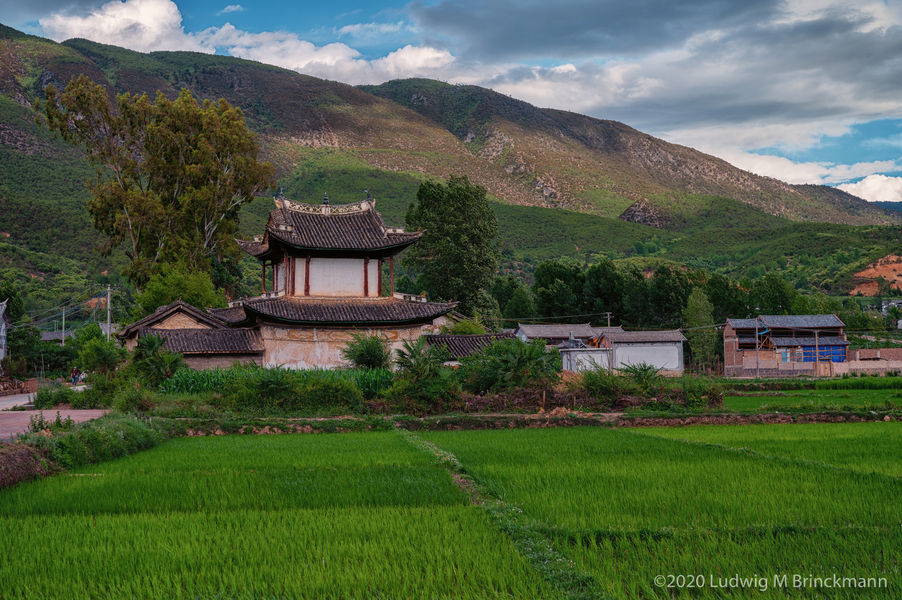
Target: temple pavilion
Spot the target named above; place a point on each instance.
(322, 280)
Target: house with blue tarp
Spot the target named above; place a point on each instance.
(782, 343)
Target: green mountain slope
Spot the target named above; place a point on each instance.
(563, 184)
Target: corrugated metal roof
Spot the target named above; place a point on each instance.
(465, 345)
(557, 330)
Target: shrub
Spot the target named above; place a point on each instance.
(601, 384)
(153, 363)
(367, 351)
(50, 396)
(99, 394)
(133, 397)
(281, 390)
(508, 364)
(95, 441)
(419, 361)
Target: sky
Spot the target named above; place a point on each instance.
(806, 91)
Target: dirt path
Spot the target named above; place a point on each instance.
(15, 422)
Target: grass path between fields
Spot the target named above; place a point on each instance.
(526, 535)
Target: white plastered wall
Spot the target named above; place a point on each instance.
(662, 356)
(336, 277)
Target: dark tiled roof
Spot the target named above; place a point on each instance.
(825, 340)
(344, 311)
(557, 330)
(165, 312)
(229, 315)
(638, 337)
(465, 345)
(801, 321)
(346, 227)
(209, 341)
(253, 248)
(743, 323)
(603, 330)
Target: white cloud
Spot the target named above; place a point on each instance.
(280, 48)
(876, 188)
(142, 25)
(230, 9)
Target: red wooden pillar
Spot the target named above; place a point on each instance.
(263, 277)
(379, 281)
(391, 275)
(366, 277)
(307, 277)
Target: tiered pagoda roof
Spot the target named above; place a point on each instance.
(346, 228)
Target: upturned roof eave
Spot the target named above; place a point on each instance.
(254, 316)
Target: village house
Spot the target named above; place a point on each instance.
(784, 345)
(561, 334)
(322, 281)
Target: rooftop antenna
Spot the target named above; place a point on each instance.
(326, 198)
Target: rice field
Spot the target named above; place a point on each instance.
(863, 447)
(755, 512)
(293, 516)
(627, 507)
(817, 400)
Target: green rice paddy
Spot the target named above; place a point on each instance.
(764, 511)
(627, 507)
(816, 400)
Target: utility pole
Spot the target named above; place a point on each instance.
(757, 361)
(108, 303)
(609, 315)
(64, 327)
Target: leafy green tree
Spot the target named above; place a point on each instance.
(520, 308)
(635, 298)
(464, 327)
(603, 289)
(727, 297)
(701, 333)
(502, 289)
(170, 176)
(668, 292)
(175, 281)
(101, 355)
(458, 255)
(558, 289)
(773, 295)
